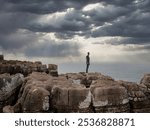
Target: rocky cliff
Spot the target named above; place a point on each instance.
(26, 67)
(33, 87)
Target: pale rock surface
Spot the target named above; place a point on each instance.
(109, 96)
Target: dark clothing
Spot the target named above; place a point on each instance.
(87, 67)
(87, 59)
(87, 63)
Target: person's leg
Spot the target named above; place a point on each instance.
(87, 68)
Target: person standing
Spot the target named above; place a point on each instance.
(87, 62)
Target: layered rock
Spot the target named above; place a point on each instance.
(53, 69)
(26, 67)
(146, 81)
(34, 95)
(43, 93)
(9, 88)
(109, 96)
(70, 97)
(139, 96)
(72, 92)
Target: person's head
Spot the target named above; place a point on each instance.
(88, 53)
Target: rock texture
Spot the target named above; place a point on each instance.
(109, 96)
(26, 67)
(139, 96)
(70, 97)
(9, 88)
(34, 95)
(52, 69)
(43, 90)
(146, 81)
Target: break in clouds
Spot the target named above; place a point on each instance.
(62, 28)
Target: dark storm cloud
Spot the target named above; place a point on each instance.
(107, 14)
(10, 22)
(53, 49)
(36, 45)
(17, 40)
(133, 22)
(73, 22)
(129, 19)
(45, 6)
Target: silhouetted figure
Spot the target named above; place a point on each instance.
(87, 62)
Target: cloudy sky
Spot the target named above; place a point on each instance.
(115, 32)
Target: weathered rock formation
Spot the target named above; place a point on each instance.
(43, 90)
(139, 96)
(52, 69)
(9, 89)
(146, 81)
(68, 96)
(109, 96)
(26, 67)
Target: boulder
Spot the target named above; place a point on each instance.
(139, 96)
(109, 96)
(52, 69)
(34, 95)
(36, 99)
(26, 67)
(146, 80)
(53, 73)
(9, 88)
(71, 99)
(38, 62)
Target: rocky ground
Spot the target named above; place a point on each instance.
(33, 87)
